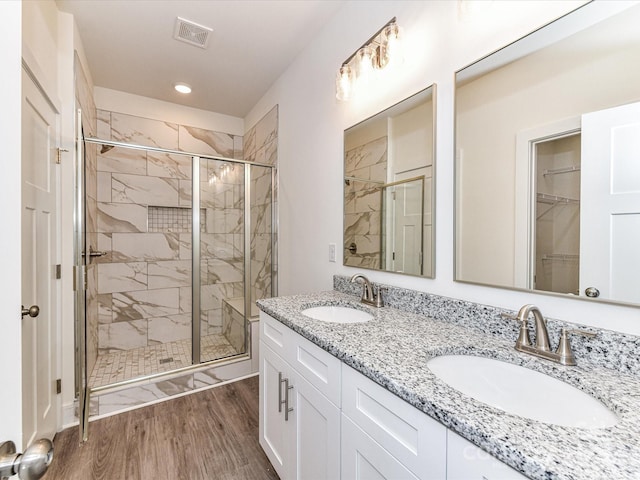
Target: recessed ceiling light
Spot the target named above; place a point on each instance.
(182, 88)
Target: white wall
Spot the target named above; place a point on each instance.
(10, 280)
(441, 37)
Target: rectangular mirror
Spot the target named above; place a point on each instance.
(388, 188)
(548, 159)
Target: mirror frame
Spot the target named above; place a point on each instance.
(432, 89)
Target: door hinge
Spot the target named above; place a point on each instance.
(59, 386)
(58, 271)
(59, 155)
(79, 276)
(393, 256)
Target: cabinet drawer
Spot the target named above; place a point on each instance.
(415, 439)
(274, 334)
(465, 461)
(317, 366)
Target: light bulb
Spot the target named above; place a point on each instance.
(364, 65)
(392, 45)
(343, 83)
(182, 88)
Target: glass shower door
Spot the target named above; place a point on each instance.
(223, 327)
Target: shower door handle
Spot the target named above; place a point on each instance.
(94, 253)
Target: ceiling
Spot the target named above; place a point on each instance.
(130, 46)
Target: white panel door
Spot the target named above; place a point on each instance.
(273, 435)
(408, 203)
(39, 143)
(610, 203)
(316, 424)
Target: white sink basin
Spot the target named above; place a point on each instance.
(335, 314)
(521, 391)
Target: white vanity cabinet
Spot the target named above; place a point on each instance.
(342, 425)
(299, 404)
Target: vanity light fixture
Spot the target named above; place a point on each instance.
(182, 88)
(381, 50)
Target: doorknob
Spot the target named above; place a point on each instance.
(32, 311)
(592, 292)
(31, 465)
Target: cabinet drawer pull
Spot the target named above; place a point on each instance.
(287, 387)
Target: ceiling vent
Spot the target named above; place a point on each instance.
(191, 33)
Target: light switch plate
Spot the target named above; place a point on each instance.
(332, 252)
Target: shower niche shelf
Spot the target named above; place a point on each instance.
(173, 219)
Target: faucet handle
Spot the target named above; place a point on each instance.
(379, 297)
(523, 335)
(564, 345)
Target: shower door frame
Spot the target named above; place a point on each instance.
(83, 390)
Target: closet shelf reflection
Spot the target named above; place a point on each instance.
(563, 257)
(555, 171)
(555, 199)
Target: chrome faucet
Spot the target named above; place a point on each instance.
(369, 297)
(563, 354)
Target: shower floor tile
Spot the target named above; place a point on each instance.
(139, 362)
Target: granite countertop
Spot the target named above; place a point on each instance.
(393, 348)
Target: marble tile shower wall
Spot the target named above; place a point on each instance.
(365, 164)
(84, 99)
(144, 281)
(261, 145)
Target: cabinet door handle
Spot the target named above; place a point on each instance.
(287, 387)
(280, 382)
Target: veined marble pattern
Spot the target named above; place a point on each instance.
(366, 155)
(121, 217)
(199, 140)
(122, 336)
(169, 328)
(169, 165)
(129, 247)
(125, 365)
(104, 187)
(363, 202)
(172, 273)
(144, 190)
(144, 131)
(122, 160)
(103, 124)
(127, 306)
(122, 277)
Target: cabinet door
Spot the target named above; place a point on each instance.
(364, 459)
(316, 436)
(465, 461)
(273, 429)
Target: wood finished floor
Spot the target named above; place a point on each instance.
(207, 435)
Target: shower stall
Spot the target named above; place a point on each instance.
(173, 248)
